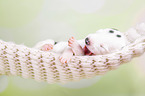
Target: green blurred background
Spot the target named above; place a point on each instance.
(29, 21)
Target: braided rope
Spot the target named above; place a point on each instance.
(19, 60)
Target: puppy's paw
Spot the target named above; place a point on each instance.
(71, 41)
(64, 59)
(47, 47)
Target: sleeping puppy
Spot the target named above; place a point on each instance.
(102, 42)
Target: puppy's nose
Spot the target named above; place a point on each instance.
(87, 41)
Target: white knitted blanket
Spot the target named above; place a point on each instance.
(19, 60)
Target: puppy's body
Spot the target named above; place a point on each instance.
(104, 41)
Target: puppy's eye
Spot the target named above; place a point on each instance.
(87, 41)
(118, 36)
(55, 43)
(111, 31)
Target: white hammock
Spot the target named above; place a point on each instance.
(19, 60)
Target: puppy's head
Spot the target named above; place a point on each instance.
(104, 41)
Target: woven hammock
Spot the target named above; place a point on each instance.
(19, 60)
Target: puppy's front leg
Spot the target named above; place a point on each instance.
(76, 48)
(46, 45)
(66, 55)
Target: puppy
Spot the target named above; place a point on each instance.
(102, 42)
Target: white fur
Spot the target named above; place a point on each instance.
(101, 42)
(104, 42)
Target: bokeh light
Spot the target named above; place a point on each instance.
(28, 84)
(3, 83)
(85, 6)
(113, 7)
(84, 83)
